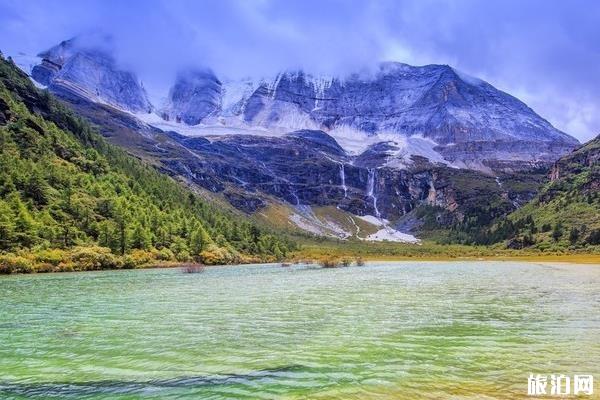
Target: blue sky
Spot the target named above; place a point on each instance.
(547, 53)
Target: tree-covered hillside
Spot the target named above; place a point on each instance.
(70, 200)
(566, 212)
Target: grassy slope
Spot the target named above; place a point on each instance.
(571, 201)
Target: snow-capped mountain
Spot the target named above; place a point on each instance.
(91, 73)
(397, 110)
(195, 96)
(378, 145)
(468, 119)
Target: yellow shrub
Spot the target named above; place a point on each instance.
(330, 262)
(45, 267)
(11, 263)
(66, 266)
(93, 258)
(138, 258)
(215, 255)
(53, 256)
(164, 254)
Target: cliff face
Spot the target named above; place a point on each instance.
(195, 96)
(585, 158)
(467, 118)
(91, 73)
(310, 168)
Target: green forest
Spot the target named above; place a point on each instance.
(71, 201)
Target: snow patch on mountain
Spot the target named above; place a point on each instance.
(356, 142)
(235, 94)
(391, 235)
(405, 147)
(386, 232)
(204, 130)
(305, 219)
(373, 220)
(26, 62)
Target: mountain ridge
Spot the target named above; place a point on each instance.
(93, 73)
(318, 142)
(458, 113)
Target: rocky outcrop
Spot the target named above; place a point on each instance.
(244, 201)
(587, 156)
(584, 161)
(91, 73)
(195, 96)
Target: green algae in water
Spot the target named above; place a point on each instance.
(385, 331)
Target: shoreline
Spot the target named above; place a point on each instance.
(567, 258)
(579, 259)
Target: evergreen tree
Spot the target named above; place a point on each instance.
(62, 184)
(140, 238)
(574, 235)
(557, 232)
(594, 237)
(24, 228)
(7, 226)
(199, 241)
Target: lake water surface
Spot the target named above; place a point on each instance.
(410, 330)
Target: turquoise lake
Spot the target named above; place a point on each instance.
(401, 330)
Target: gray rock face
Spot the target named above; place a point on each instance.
(308, 168)
(433, 101)
(92, 74)
(195, 96)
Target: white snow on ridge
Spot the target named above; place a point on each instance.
(413, 145)
(356, 142)
(215, 129)
(26, 62)
(386, 232)
(234, 93)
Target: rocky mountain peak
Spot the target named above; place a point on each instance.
(196, 95)
(433, 111)
(87, 68)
